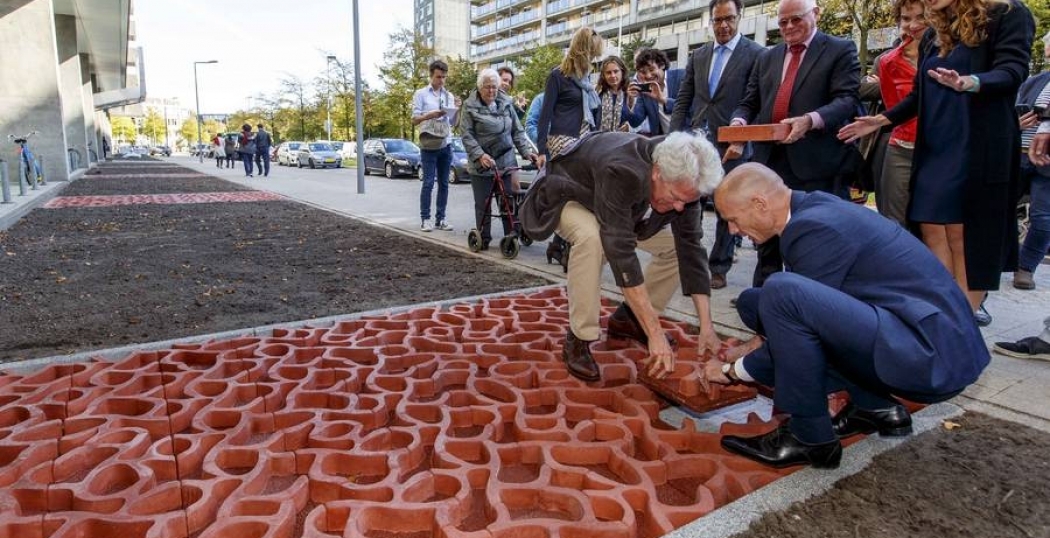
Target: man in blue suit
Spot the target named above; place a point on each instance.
(862, 306)
(651, 109)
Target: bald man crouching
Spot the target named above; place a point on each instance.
(863, 306)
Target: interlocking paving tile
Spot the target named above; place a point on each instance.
(461, 422)
(61, 202)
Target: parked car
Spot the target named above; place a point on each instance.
(317, 154)
(160, 150)
(460, 173)
(391, 156)
(288, 153)
(347, 149)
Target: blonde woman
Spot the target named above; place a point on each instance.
(571, 107)
(965, 177)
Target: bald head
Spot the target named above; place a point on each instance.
(754, 201)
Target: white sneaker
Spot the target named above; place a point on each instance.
(426, 227)
(444, 226)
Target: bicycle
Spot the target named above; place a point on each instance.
(27, 161)
(507, 203)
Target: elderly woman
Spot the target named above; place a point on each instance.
(965, 175)
(491, 132)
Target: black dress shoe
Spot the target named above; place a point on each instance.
(890, 422)
(624, 326)
(780, 448)
(578, 359)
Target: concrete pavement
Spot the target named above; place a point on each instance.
(1010, 388)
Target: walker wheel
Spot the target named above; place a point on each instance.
(508, 246)
(474, 240)
(525, 239)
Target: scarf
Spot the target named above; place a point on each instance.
(591, 101)
(612, 105)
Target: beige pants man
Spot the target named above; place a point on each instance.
(580, 228)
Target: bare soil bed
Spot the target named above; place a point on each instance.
(78, 279)
(988, 478)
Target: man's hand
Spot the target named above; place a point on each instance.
(733, 152)
(656, 92)
(661, 356)
(434, 114)
(800, 125)
(709, 340)
(712, 373)
(1037, 150)
(1028, 119)
(738, 352)
(458, 101)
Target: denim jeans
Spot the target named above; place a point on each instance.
(262, 161)
(1038, 239)
(436, 165)
(247, 158)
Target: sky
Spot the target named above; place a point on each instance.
(256, 43)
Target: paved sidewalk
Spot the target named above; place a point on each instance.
(1010, 388)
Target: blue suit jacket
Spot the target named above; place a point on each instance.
(648, 108)
(927, 340)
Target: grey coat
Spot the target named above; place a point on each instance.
(609, 174)
(495, 133)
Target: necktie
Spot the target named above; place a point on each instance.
(716, 71)
(780, 105)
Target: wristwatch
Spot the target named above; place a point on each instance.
(730, 372)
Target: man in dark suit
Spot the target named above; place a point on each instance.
(910, 329)
(714, 83)
(613, 193)
(809, 82)
(651, 110)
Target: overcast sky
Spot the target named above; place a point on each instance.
(256, 43)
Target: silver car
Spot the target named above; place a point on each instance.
(288, 152)
(318, 154)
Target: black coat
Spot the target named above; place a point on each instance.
(994, 152)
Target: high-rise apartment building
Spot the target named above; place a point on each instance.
(444, 25)
(502, 29)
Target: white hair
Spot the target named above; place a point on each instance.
(684, 157)
(488, 74)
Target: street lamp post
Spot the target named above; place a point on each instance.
(197, 97)
(328, 123)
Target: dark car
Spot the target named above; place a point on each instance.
(460, 173)
(391, 156)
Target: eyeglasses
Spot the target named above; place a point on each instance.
(723, 20)
(794, 20)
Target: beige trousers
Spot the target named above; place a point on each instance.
(579, 227)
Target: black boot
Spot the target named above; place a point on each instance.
(578, 359)
(558, 249)
(623, 325)
(780, 448)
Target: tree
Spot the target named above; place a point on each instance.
(295, 94)
(1041, 11)
(856, 18)
(462, 76)
(188, 130)
(627, 49)
(344, 115)
(535, 65)
(404, 71)
(154, 126)
(123, 128)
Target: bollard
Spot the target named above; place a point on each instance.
(22, 179)
(5, 185)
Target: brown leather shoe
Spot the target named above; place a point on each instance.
(624, 326)
(578, 359)
(718, 281)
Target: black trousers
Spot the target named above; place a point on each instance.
(482, 186)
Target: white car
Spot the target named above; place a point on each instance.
(348, 150)
(288, 153)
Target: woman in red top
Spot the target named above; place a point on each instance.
(896, 70)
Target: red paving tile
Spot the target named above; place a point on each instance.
(427, 423)
(61, 202)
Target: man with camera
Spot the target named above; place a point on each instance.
(651, 96)
(1032, 101)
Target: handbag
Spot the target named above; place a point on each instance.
(433, 134)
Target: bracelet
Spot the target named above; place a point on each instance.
(976, 84)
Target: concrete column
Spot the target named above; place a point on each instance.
(87, 100)
(29, 90)
(70, 82)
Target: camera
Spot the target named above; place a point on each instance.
(644, 87)
(1023, 109)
